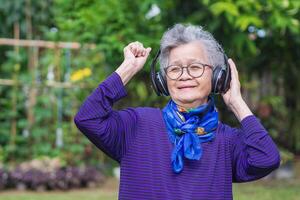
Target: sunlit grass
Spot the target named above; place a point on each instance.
(90, 194)
(258, 190)
(267, 190)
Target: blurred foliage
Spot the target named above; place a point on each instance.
(261, 36)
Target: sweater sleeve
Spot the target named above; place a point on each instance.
(110, 130)
(255, 154)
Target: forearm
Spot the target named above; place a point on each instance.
(126, 72)
(240, 109)
(254, 152)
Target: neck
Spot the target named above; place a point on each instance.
(194, 104)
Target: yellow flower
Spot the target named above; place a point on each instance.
(81, 74)
(86, 72)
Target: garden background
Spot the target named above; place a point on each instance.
(53, 53)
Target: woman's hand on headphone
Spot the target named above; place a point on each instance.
(135, 56)
(233, 98)
(233, 94)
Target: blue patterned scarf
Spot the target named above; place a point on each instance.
(188, 128)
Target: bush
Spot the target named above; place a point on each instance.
(42, 175)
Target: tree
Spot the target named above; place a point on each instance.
(261, 36)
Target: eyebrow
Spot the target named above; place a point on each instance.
(176, 62)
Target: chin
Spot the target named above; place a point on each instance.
(189, 98)
(189, 95)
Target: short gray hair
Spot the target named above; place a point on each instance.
(181, 34)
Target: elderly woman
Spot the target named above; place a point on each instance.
(182, 151)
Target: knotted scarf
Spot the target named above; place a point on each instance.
(188, 128)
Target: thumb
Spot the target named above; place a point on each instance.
(148, 50)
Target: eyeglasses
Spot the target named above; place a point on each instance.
(195, 70)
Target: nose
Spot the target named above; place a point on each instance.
(185, 75)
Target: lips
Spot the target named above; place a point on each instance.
(186, 86)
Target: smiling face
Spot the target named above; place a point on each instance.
(186, 91)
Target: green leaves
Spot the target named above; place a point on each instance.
(224, 7)
(244, 21)
(112, 24)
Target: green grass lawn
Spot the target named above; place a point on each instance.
(87, 194)
(267, 190)
(258, 190)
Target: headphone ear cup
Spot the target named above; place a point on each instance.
(158, 81)
(227, 80)
(154, 84)
(218, 79)
(161, 84)
(153, 75)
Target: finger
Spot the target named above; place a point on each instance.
(134, 43)
(235, 82)
(130, 45)
(234, 75)
(148, 50)
(141, 51)
(139, 47)
(138, 51)
(127, 50)
(234, 72)
(144, 52)
(138, 44)
(134, 49)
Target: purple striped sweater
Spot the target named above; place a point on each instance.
(137, 138)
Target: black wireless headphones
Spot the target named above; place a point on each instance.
(221, 77)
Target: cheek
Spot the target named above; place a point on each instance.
(172, 88)
(203, 89)
(205, 83)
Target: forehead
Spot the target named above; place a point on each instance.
(189, 52)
